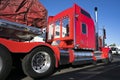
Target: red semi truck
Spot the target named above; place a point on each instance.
(70, 39)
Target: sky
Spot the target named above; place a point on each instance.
(108, 14)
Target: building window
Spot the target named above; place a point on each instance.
(57, 29)
(65, 27)
(84, 28)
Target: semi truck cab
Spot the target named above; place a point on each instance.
(72, 28)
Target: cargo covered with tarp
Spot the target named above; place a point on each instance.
(21, 19)
(29, 12)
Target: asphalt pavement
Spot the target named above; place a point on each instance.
(83, 72)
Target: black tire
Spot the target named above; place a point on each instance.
(37, 58)
(5, 63)
(109, 59)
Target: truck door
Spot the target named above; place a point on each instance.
(87, 28)
(81, 34)
(84, 30)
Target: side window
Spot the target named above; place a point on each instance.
(57, 29)
(50, 33)
(84, 28)
(65, 27)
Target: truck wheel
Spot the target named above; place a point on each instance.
(5, 63)
(109, 59)
(39, 63)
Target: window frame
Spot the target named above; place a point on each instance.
(68, 23)
(51, 35)
(55, 29)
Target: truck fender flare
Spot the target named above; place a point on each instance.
(55, 50)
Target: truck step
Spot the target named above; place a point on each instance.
(82, 57)
(97, 54)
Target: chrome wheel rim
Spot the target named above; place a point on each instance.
(41, 62)
(1, 63)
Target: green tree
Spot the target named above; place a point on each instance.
(113, 44)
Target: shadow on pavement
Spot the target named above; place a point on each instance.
(16, 74)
